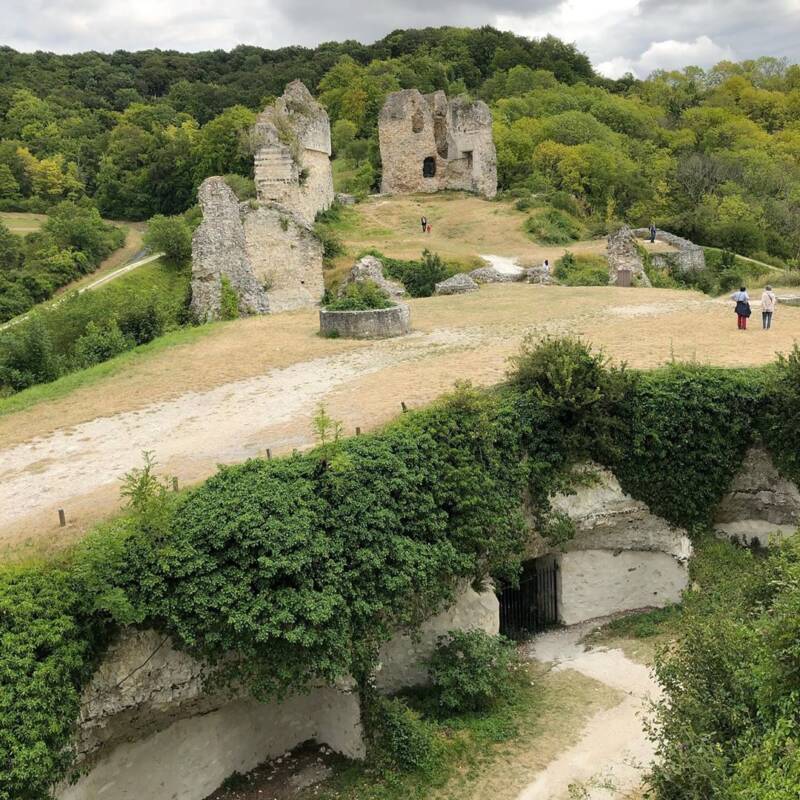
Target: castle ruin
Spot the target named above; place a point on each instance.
(429, 143)
(266, 249)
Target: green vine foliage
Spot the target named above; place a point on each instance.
(290, 570)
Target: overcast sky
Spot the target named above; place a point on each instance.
(618, 35)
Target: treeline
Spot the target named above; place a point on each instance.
(140, 131)
(71, 242)
(711, 154)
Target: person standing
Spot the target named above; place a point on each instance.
(742, 300)
(652, 232)
(546, 271)
(768, 303)
(424, 222)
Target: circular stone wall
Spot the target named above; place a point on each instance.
(379, 323)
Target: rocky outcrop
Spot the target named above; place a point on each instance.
(492, 275)
(760, 504)
(623, 255)
(370, 268)
(622, 556)
(460, 283)
(689, 257)
(540, 276)
(429, 143)
(150, 729)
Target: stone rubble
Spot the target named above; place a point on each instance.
(370, 268)
(460, 283)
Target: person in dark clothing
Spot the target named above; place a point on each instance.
(424, 222)
(652, 232)
(742, 300)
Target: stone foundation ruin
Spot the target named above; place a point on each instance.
(266, 249)
(688, 256)
(429, 143)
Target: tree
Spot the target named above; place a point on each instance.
(9, 187)
(171, 236)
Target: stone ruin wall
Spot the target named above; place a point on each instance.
(267, 248)
(690, 257)
(455, 134)
(622, 252)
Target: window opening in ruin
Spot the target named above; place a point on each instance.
(429, 167)
(533, 605)
(468, 156)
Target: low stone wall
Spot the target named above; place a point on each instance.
(690, 257)
(379, 323)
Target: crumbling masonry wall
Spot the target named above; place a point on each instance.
(266, 248)
(429, 143)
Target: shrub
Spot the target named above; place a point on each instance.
(172, 237)
(780, 423)
(229, 300)
(553, 227)
(572, 270)
(400, 738)
(360, 296)
(575, 386)
(99, 343)
(27, 355)
(419, 277)
(471, 670)
(143, 320)
(332, 245)
(243, 188)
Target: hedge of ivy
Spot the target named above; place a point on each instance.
(301, 567)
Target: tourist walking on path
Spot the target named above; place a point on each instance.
(742, 300)
(424, 222)
(768, 303)
(652, 233)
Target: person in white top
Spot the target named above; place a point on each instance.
(546, 268)
(768, 303)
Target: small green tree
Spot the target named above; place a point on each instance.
(171, 236)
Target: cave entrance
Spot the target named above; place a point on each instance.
(532, 606)
(429, 167)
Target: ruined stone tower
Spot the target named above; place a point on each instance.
(266, 249)
(429, 143)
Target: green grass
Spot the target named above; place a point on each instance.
(46, 392)
(582, 270)
(465, 743)
(21, 222)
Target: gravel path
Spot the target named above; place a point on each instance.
(613, 752)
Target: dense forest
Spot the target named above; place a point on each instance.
(714, 155)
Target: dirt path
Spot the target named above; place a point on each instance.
(256, 383)
(614, 751)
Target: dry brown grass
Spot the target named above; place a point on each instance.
(464, 228)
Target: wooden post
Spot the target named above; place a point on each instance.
(174, 484)
(269, 454)
(358, 431)
(403, 406)
(62, 517)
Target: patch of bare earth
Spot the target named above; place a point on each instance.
(256, 383)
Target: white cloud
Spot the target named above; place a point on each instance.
(669, 54)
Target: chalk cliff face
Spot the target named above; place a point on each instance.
(266, 249)
(429, 143)
(151, 728)
(760, 503)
